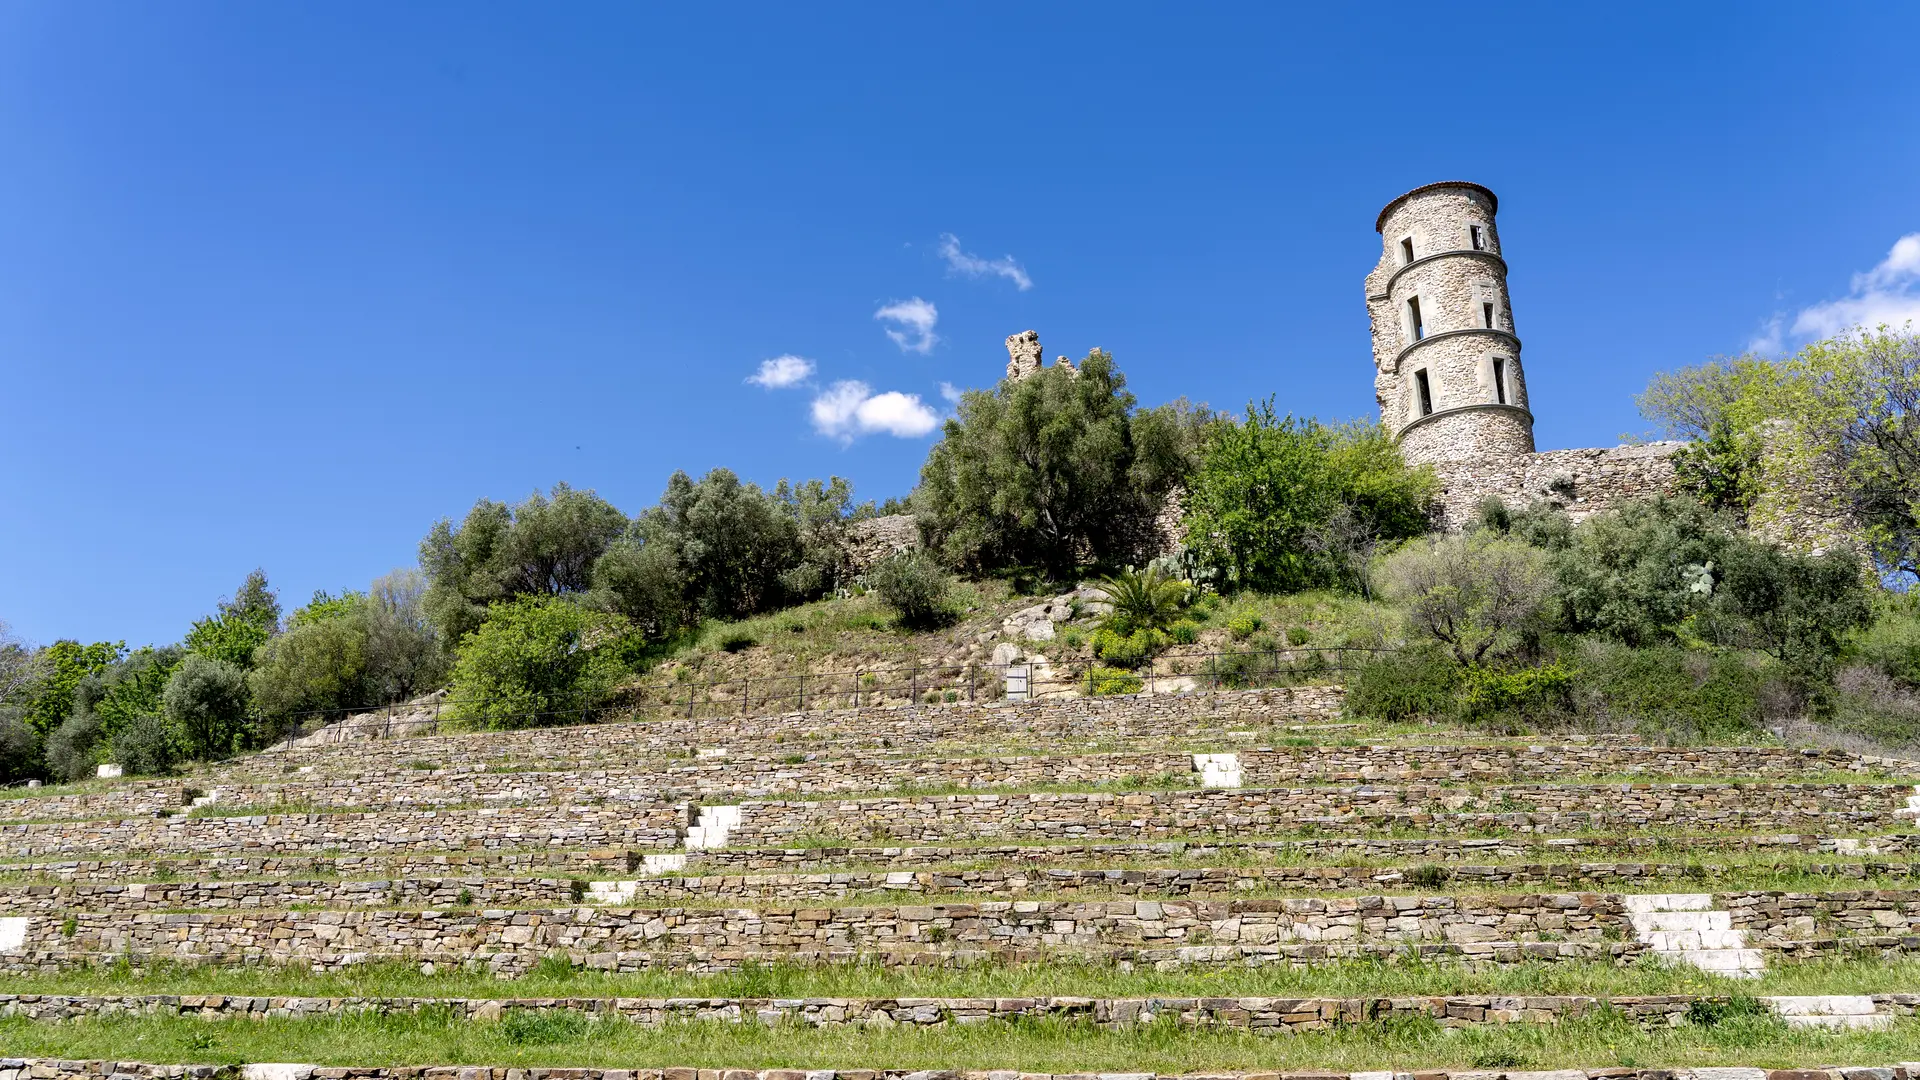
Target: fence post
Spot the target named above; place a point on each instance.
(913, 682)
(970, 681)
(803, 691)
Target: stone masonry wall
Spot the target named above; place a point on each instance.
(1583, 482)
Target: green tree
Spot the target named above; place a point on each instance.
(206, 705)
(128, 694)
(1283, 504)
(1639, 572)
(914, 586)
(240, 626)
(545, 546)
(64, 664)
(731, 541)
(1478, 594)
(352, 651)
(537, 660)
(1052, 470)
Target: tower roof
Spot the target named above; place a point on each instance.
(1381, 221)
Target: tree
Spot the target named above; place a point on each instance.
(351, 651)
(1285, 504)
(130, 693)
(1051, 470)
(60, 667)
(1143, 600)
(206, 706)
(1799, 609)
(545, 546)
(23, 675)
(240, 625)
(537, 660)
(1478, 594)
(640, 577)
(1641, 571)
(731, 541)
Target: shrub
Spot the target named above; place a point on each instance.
(1529, 694)
(1184, 632)
(1403, 686)
(145, 746)
(738, 640)
(1129, 651)
(1668, 689)
(1244, 626)
(1298, 635)
(914, 586)
(1892, 643)
(1106, 681)
(536, 660)
(1143, 599)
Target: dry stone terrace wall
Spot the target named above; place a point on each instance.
(51, 1069)
(1266, 1015)
(1544, 807)
(658, 780)
(512, 828)
(1159, 882)
(1584, 481)
(615, 864)
(1150, 715)
(1496, 928)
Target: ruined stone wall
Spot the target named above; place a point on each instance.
(875, 539)
(1583, 482)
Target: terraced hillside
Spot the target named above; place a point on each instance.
(1232, 883)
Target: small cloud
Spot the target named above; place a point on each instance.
(1768, 340)
(1889, 293)
(965, 262)
(850, 408)
(782, 371)
(916, 318)
(951, 393)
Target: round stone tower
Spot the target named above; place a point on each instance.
(1446, 361)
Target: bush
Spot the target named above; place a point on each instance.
(206, 706)
(535, 661)
(738, 641)
(1478, 594)
(1892, 643)
(914, 586)
(1404, 685)
(146, 746)
(1532, 695)
(1669, 690)
(1184, 632)
(1143, 599)
(1244, 626)
(1127, 651)
(342, 653)
(1106, 681)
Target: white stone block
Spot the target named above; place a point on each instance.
(1823, 1005)
(13, 933)
(618, 893)
(107, 772)
(669, 863)
(1726, 1074)
(1645, 902)
(1840, 1023)
(275, 1071)
(1217, 770)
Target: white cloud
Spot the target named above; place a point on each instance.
(951, 393)
(1889, 293)
(850, 408)
(964, 262)
(916, 318)
(1768, 340)
(782, 371)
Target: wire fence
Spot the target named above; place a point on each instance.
(917, 682)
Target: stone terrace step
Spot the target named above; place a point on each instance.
(51, 1069)
(1539, 808)
(1266, 1015)
(390, 830)
(1043, 882)
(380, 781)
(1483, 927)
(732, 862)
(1146, 715)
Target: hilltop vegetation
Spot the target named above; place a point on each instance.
(1295, 535)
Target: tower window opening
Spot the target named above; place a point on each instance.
(1406, 249)
(1486, 314)
(1500, 379)
(1479, 237)
(1426, 392)
(1415, 326)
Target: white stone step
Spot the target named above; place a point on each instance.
(1687, 940)
(1823, 1005)
(1694, 921)
(13, 933)
(1637, 903)
(711, 830)
(1217, 770)
(1738, 963)
(668, 863)
(615, 893)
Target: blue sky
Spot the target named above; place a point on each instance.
(281, 285)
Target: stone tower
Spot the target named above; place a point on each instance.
(1446, 362)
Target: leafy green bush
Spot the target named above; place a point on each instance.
(1669, 690)
(145, 746)
(1298, 635)
(1244, 626)
(738, 640)
(1403, 685)
(1184, 632)
(1478, 594)
(1892, 643)
(1106, 680)
(1529, 694)
(1127, 651)
(914, 586)
(537, 660)
(1143, 599)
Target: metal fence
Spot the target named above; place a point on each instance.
(917, 682)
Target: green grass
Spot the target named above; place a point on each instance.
(1071, 979)
(1604, 1040)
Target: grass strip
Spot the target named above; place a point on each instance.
(1747, 1038)
(1354, 978)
